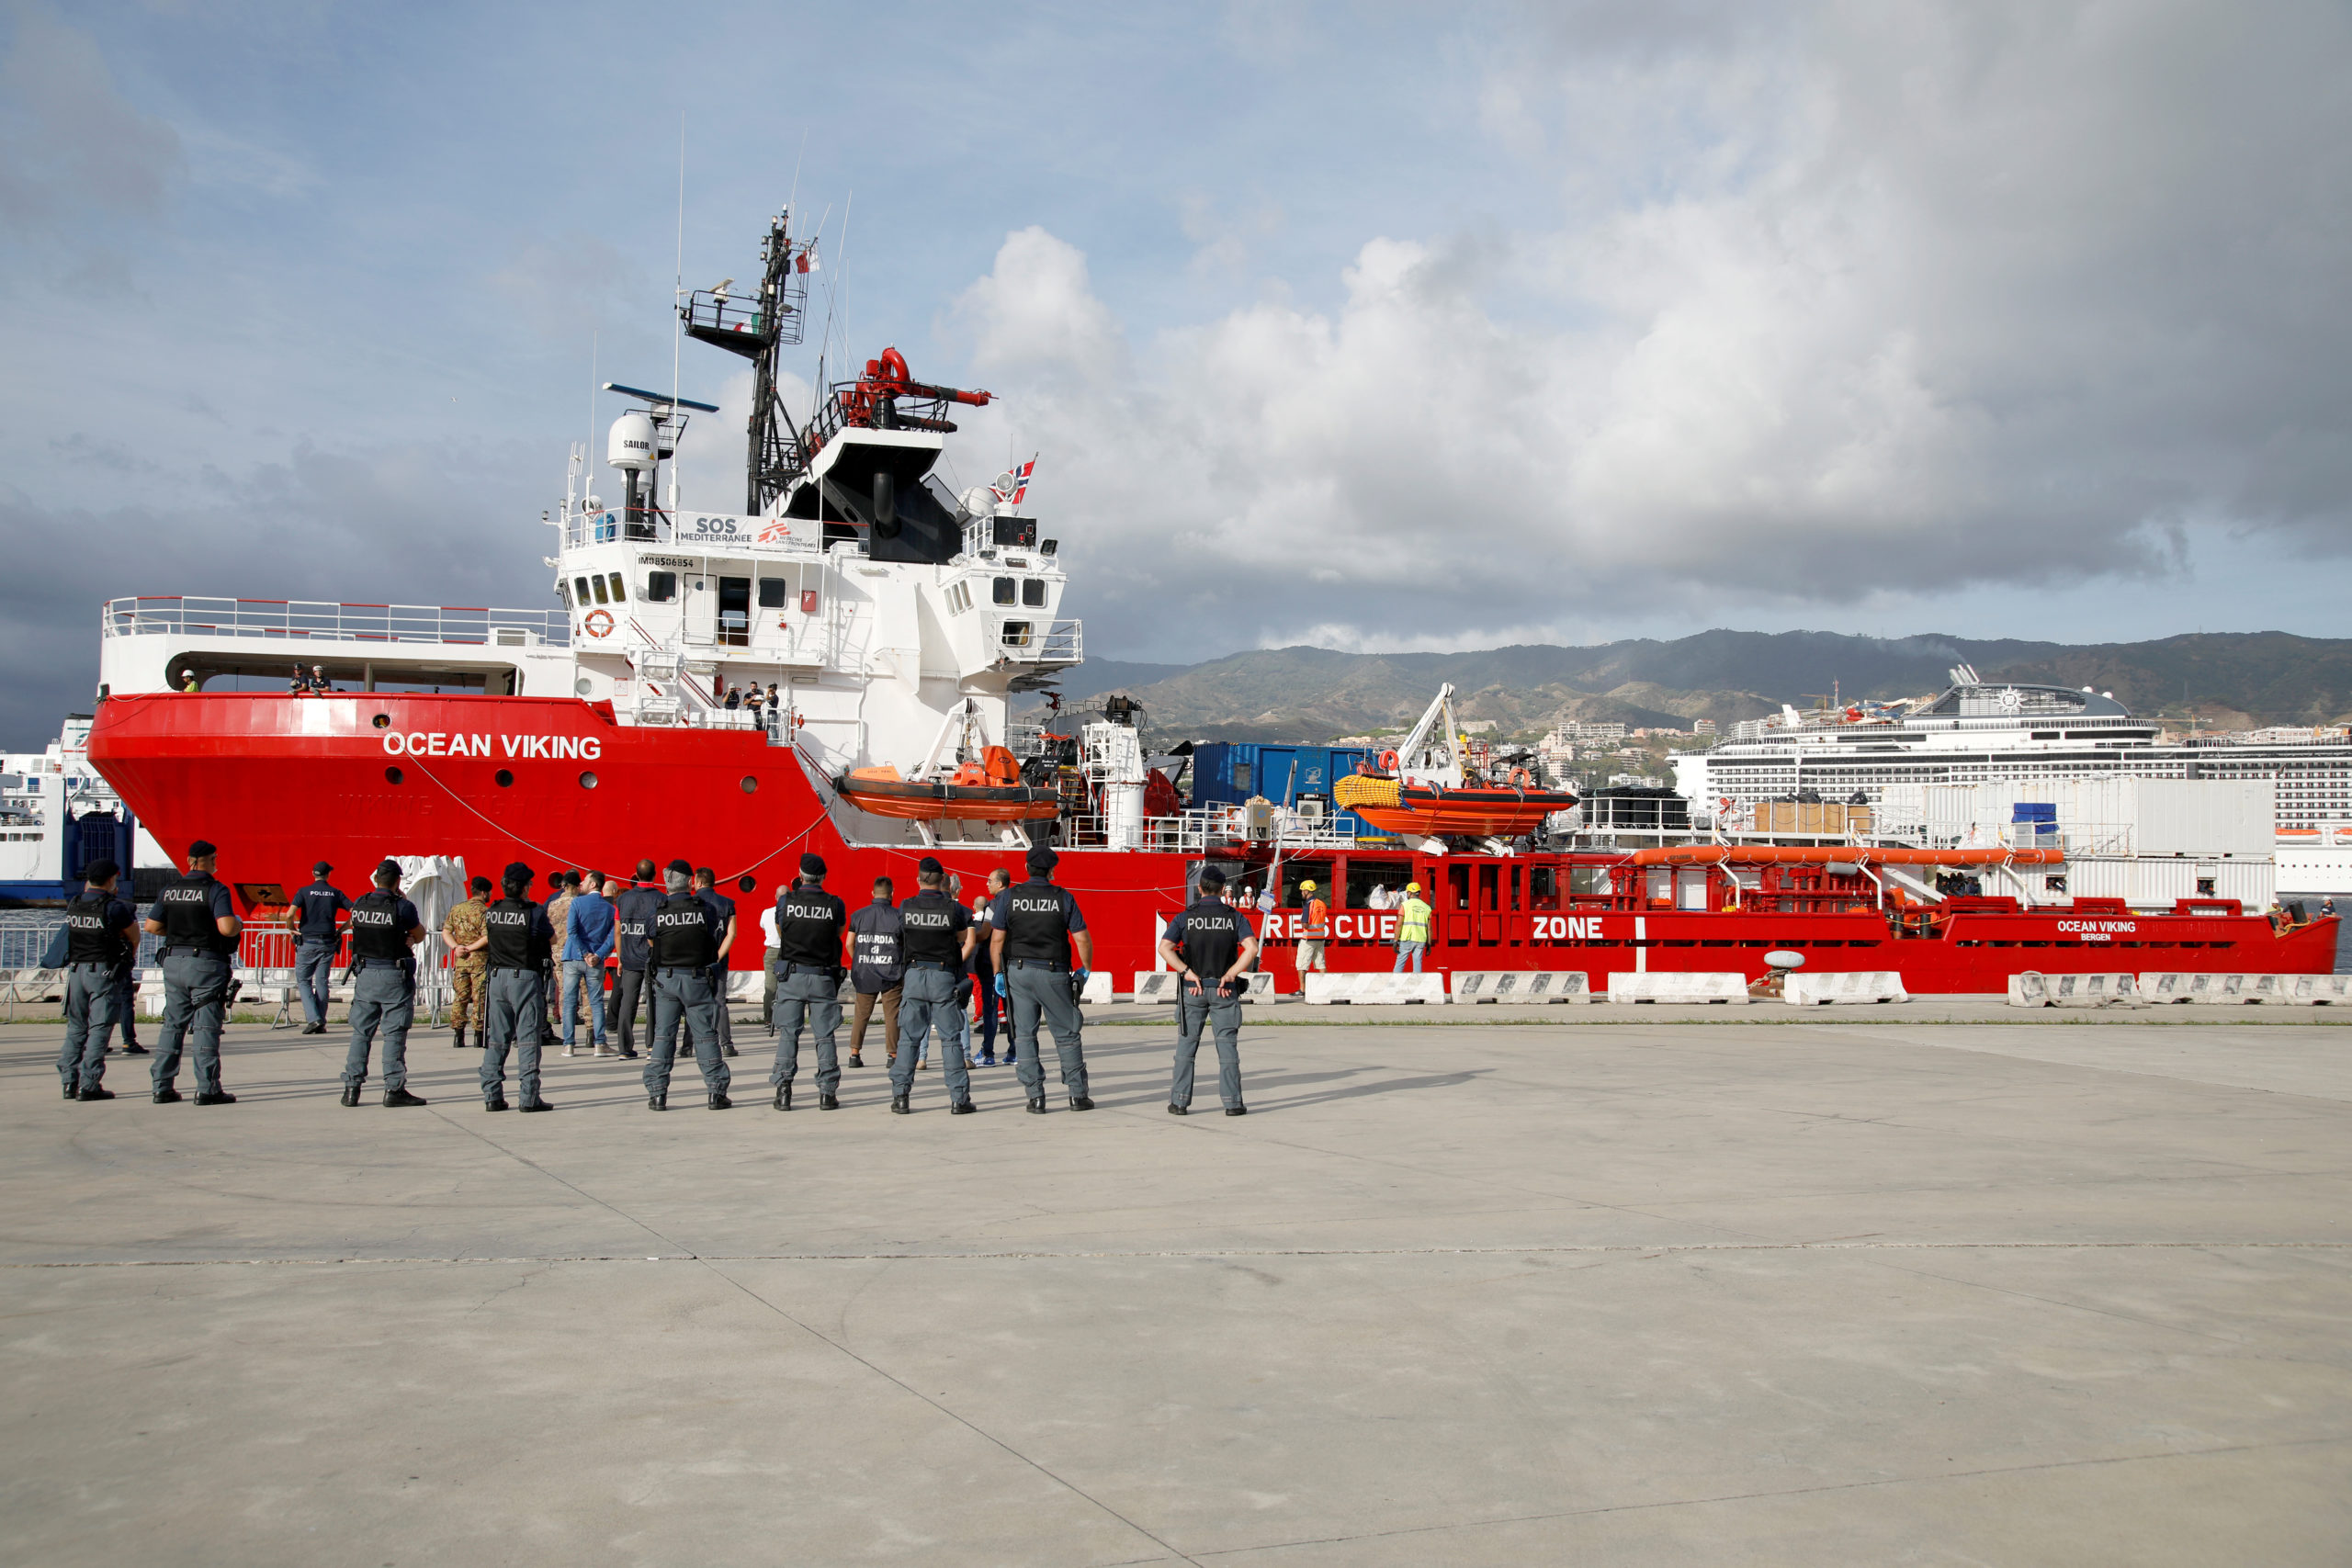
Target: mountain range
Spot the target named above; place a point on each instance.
(2226, 680)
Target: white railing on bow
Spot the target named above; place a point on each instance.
(303, 619)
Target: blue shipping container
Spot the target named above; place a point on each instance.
(1230, 773)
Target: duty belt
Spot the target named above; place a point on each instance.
(513, 968)
(360, 963)
(684, 969)
(189, 953)
(809, 968)
(1056, 965)
(931, 964)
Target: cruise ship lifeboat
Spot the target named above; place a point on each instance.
(1484, 811)
(987, 791)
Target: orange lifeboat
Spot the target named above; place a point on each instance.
(987, 791)
(1470, 811)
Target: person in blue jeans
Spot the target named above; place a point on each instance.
(983, 977)
(588, 936)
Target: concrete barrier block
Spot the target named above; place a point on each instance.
(1261, 988)
(1521, 987)
(1852, 987)
(1098, 988)
(1719, 987)
(2317, 990)
(1322, 990)
(1157, 985)
(2032, 988)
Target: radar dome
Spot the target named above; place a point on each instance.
(630, 445)
(980, 501)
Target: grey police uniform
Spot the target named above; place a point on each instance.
(723, 908)
(315, 939)
(517, 1014)
(383, 986)
(195, 976)
(1210, 933)
(931, 946)
(685, 947)
(633, 937)
(94, 955)
(1037, 919)
(809, 923)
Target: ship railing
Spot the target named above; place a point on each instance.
(1202, 828)
(583, 527)
(1034, 639)
(303, 619)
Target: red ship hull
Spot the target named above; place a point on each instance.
(277, 783)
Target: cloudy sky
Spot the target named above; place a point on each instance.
(1371, 326)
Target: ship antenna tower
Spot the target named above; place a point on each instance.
(760, 329)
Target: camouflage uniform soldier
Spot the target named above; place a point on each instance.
(468, 933)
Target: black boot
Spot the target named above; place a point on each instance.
(721, 1102)
(828, 1101)
(132, 1048)
(459, 1032)
(898, 1106)
(1079, 1102)
(96, 1094)
(962, 1108)
(1237, 1111)
(658, 1102)
(351, 1094)
(218, 1097)
(72, 1091)
(1036, 1105)
(494, 1103)
(533, 1103)
(400, 1097)
(783, 1097)
(1175, 1110)
(166, 1095)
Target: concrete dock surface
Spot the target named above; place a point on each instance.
(1769, 1290)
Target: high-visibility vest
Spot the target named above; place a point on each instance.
(1413, 921)
(1319, 920)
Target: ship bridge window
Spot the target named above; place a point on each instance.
(1033, 592)
(620, 593)
(661, 587)
(1003, 591)
(774, 593)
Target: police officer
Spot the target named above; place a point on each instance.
(706, 889)
(1035, 924)
(519, 935)
(809, 924)
(875, 970)
(99, 929)
(937, 941)
(633, 929)
(385, 928)
(1211, 945)
(685, 950)
(199, 928)
(315, 939)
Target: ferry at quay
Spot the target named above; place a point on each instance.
(898, 622)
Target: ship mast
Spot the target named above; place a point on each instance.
(760, 329)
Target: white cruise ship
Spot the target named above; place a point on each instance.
(2023, 742)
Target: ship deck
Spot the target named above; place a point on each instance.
(1734, 1285)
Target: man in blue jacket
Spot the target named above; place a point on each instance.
(587, 942)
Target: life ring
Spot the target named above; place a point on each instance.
(1388, 761)
(1522, 779)
(598, 624)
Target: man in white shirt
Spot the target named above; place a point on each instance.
(767, 963)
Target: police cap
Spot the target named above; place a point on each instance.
(99, 871)
(811, 865)
(682, 867)
(518, 872)
(320, 868)
(1043, 859)
(928, 867)
(1211, 879)
(201, 849)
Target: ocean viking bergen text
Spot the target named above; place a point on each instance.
(582, 748)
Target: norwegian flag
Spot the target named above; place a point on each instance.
(1013, 483)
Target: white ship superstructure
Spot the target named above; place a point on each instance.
(2015, 740)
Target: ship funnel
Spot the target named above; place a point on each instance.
(630, 445)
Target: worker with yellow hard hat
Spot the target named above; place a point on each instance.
(1412, 929)
(1314, 929)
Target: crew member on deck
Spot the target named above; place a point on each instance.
(937, 941)
(685, 952)
(809, 925)
(385, 929)
(1211, 945)
(199, 928)
(1036, 925)
(312, 918)
(519, 935)
(99, 929)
